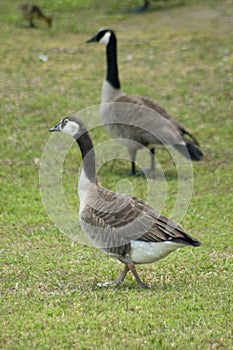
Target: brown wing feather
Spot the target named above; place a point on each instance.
(145, 101)
(151, 226)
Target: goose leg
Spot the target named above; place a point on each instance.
(119, 280)
(133, 166)
(132, 268)
(31, 24)
(133, 169)
(152, 167)
(152, 154)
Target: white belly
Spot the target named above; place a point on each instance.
(149, 252)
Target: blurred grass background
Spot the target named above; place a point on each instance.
(180, 54)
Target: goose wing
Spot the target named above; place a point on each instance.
(143, 101)
(131, 218)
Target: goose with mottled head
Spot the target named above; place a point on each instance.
(122, 226)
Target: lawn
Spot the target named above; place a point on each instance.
(179, 54)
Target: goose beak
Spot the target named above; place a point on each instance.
(56, 128)
(92, 40)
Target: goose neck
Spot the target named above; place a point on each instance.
(112, 67)
(88, 156)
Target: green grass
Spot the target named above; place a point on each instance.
(181, 57)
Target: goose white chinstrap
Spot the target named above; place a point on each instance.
(124, 227)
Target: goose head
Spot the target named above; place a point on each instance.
(103, 36)
(70, 125)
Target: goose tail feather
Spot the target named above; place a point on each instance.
(188, 240)
(190, 150)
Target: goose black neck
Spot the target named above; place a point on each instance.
(88, 155)
(112, 68)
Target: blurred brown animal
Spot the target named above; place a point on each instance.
(31, 12)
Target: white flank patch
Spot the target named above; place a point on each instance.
(71, 128)
(149, 252)
(105, 39)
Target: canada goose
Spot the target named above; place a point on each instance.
(31, 11)
(148, 123)
(124, 227)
